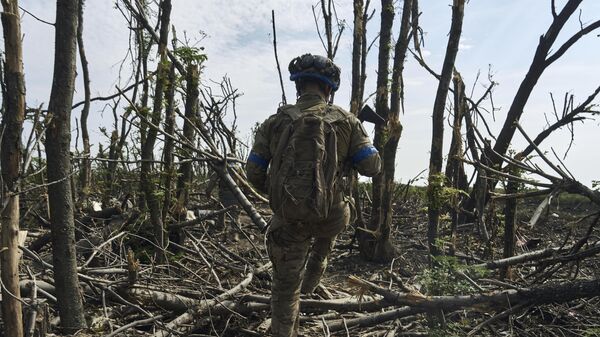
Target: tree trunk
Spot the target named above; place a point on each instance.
(455, 171)
(12, 126)
(146, 171)
(364, 51)
(168, 169)
(356, 100)
(384, 250)
(357, 41)
(436, 178)
(326, 9)
(58, 140)
(492, 157)
(510, 220)
(189, 133)
(368, 239)
(86, 168)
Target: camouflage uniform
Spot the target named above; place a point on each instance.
(299, 250)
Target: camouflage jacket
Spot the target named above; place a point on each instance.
(355, 149)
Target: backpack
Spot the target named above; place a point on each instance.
(304, 166)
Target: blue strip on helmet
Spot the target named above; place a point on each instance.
(363, 153)
(258, 160)
(320, 77)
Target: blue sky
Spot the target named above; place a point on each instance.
(499, 34)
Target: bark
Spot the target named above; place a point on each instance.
(143, 52)
(168, 157)
(86, 169)
(437, 137)
(544, 294)
(510, 221)
(384, 250)
(147, 154)
(12, 126)
(161, 299)
(359, 54)
(58, 139)
(189, 133)
(341, 305)
(372, 319)
(364, 51)
(455, 172)
(357, 42)
(544, 256)
(368, 239)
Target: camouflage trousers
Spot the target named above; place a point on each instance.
(299, 256)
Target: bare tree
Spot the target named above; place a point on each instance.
(331, 42)
(359, 55)
(368, 239)
(147, 185)
(189, 133)
(384, 249)
(86, 168)
(357, 42)
(542, 59)
(12, 126)
(168, 169)
(455, 171)
(58, 140)
(436, 179)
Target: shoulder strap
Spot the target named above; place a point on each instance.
(333, 114)
(291, 110)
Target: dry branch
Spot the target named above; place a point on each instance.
(544, 294)
(184, 323)
(198, 220)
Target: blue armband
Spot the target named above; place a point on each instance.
(363, 153)
(258, 160)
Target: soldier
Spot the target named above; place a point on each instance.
(307, 151)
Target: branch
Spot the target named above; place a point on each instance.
(283, 99)
(570, 42)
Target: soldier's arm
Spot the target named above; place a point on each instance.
(259, 158)
(363, 155)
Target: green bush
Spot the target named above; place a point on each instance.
(444, 277)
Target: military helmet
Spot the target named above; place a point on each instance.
(317, 67)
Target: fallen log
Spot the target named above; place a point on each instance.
(184, 323)
(199, 219)
(163, 300)
(340, 305)
(372, 319)
(544, 294)
(537, 255)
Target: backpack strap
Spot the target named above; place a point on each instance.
(291, 110)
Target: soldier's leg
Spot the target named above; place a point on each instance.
(288, 250)
(317, 262)
(325, 234)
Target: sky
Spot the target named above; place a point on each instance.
(499, 37)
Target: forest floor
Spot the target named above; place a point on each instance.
(215, 260)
